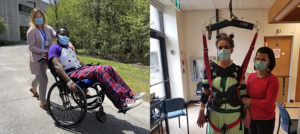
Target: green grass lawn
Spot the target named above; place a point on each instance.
(136, 77)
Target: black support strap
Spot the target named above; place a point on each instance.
(204, 98)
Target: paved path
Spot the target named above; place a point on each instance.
(20, 112)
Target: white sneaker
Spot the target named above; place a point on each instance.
(138, 96)
(131, 103)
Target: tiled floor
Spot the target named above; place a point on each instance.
(194, 129)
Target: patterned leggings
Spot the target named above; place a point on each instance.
(106, 75)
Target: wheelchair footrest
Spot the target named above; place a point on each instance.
(101, 116)
(122, 110)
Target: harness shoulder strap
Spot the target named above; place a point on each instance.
(206, 64)
(246, 60)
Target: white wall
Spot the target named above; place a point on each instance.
(193, 22)
(172, 43)
(192, 41)
(180, 28)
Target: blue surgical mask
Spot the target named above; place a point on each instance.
(224, 54)
(260, 65)
(39, 21)
(63, 40)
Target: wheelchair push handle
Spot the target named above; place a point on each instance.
(44, 57)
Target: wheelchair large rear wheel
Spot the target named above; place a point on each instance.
(65, 107)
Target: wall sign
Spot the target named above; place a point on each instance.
(276, 53)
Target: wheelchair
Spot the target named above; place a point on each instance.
(67, 108)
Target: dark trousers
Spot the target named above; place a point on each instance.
(261, 127)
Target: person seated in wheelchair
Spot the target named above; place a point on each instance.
(68, 66)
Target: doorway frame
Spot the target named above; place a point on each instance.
(289, 99)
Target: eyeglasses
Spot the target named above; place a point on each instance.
(221, 47)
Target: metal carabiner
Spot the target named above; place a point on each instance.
(257, 26)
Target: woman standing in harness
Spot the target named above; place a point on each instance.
(224, 109)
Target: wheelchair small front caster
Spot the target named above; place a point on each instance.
(101, 116)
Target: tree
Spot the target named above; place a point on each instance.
(55, 4)
(2, 25)
(109, 29)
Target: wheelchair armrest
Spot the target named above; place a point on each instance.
(75, 79)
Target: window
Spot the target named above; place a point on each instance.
(154, 18)
(156, 71)
(159, 77)
(23, 30)
(25, 9)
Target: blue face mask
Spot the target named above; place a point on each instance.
(224, 54)
(63, 40)
(260, 65)
(39, 21)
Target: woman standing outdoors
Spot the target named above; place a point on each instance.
(262, 88)
(39, 39)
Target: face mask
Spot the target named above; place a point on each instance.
(224, 54)
(63, 40)
(39, 21)
(260, 65)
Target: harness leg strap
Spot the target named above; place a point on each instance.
(225, 126)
